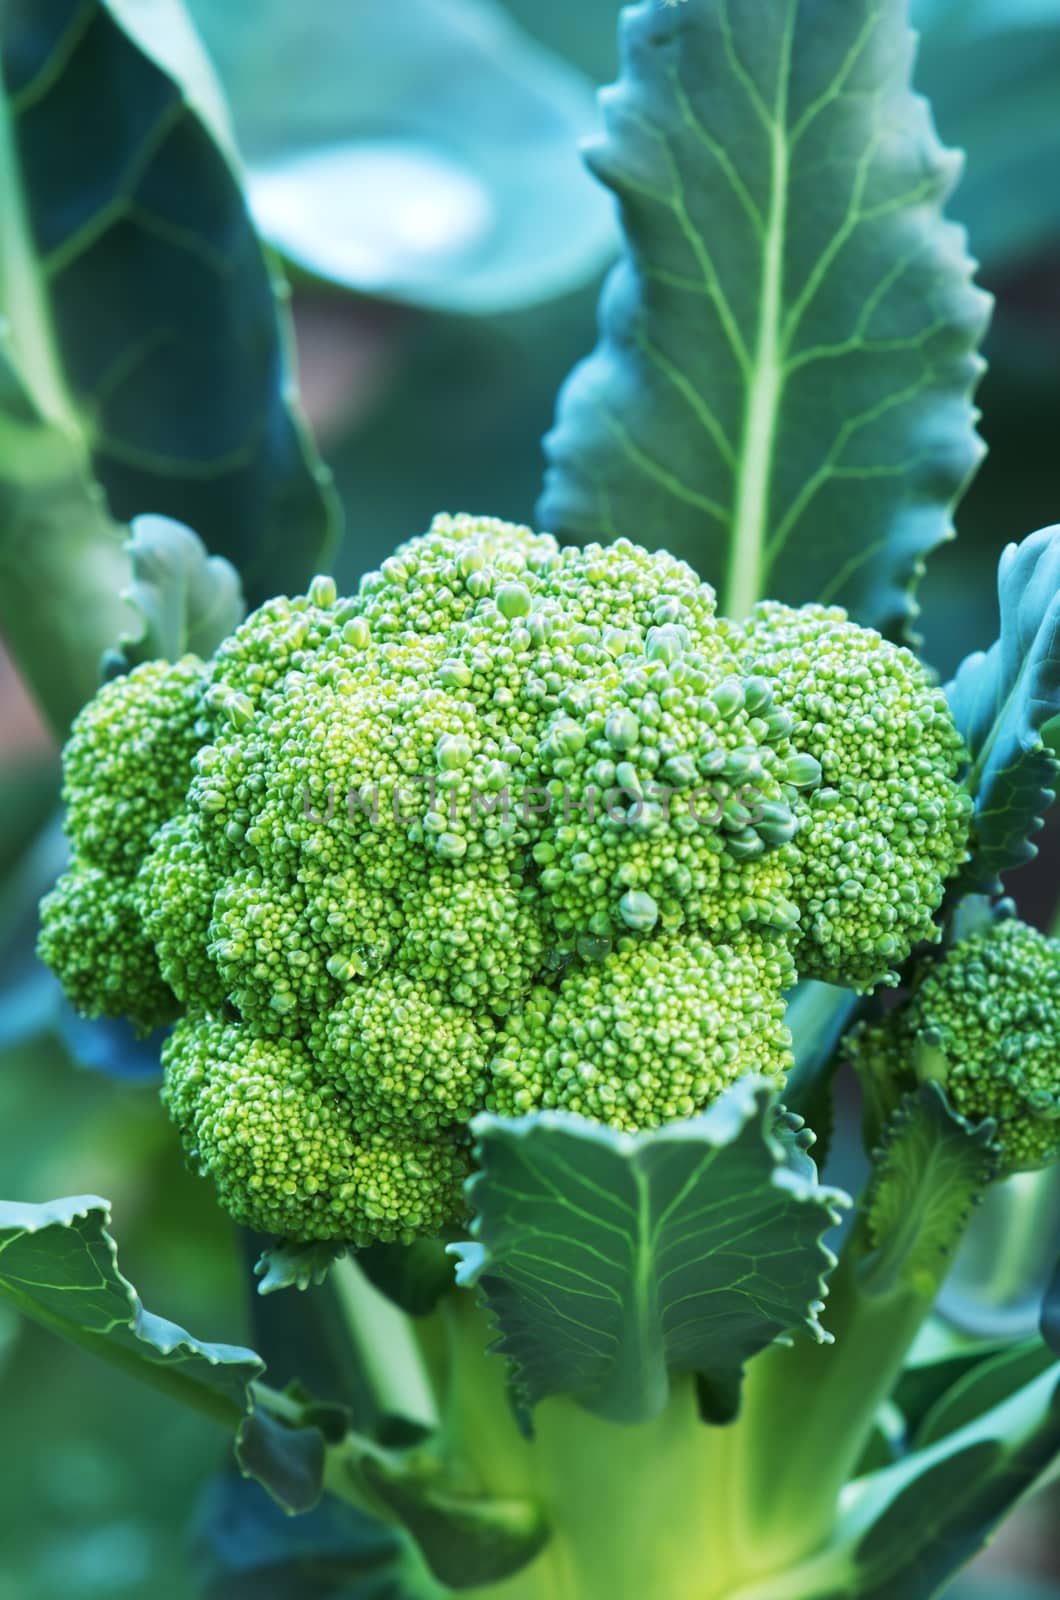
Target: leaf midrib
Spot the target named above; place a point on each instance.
(764, 393)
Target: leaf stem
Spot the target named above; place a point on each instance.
(386, 1347)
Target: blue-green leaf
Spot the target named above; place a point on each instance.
(295, 1266)
(990, 69)
(287, 1461)
(178, 387)
(250, 1550)
(906, 1530)
(781, 392)
(186, 599)
(943, 1503)
(1050, 1321)
(63, 561)
(59, 1266)
(609, 1260)
(986, 1385)
(429, 154)
(1001, 701)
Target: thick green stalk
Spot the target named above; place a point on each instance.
(631, 1508)
(808, 1414)
(387, 1351)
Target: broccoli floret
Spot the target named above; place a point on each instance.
(280, 1142)
(174, 895)
(984, 1022)
(407, 1055)
(513, 826)
(889, 823)
(127, 763)
(653, 1033)
(126, 769)
(93, 940)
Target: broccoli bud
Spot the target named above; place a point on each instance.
(983, 1022)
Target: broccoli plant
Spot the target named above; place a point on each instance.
(517, 917)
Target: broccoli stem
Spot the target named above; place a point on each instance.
(629, 1507)
(808, 1414)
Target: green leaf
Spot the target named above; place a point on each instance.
(297, 1266)
(1050, 1323)
(443, 137)
(940, 1358)
(609, 1260)
(906, 1530)
(178, 388)
(187, 600)
(467, 1540)
(984, 1387)
(930, 1170)
(63, 562)
(287, 1461)
(990, 70)
(781, 393)
(1001, 700)
(943, 1504)
(251, 1551)
(59, 1267)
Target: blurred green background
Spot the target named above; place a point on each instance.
(432, 337)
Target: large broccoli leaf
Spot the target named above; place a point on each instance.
(429, 154)
(610, 1260)
(178, 387)
(781, 392)
(63, 561)
(990, 70)
(1001, 701)
(59, 1266)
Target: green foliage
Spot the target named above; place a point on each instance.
(936, 1510)
(609, 1262)
(63, 561)
(787, 347)
(1002, 700)
(177, 390)
(1051, 1314)
(59, 1266)
(931, 1168)
(442, 107)
(607, 997)
(989, 1382)
(285, 1266)
(989, 68)
(187, 600)
(467, 1541)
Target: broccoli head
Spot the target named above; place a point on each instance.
(513, 826)
(984, 1022)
